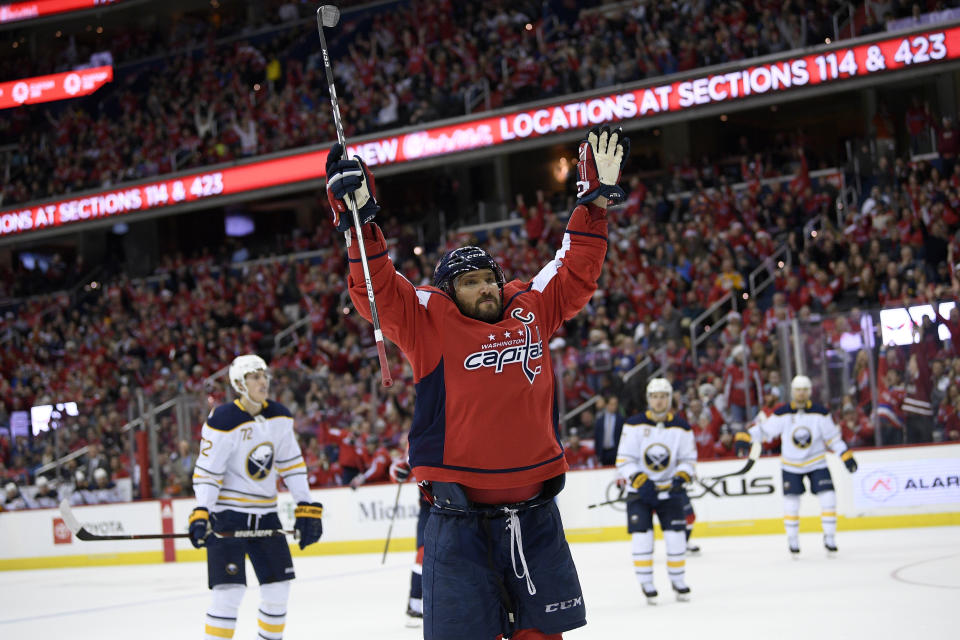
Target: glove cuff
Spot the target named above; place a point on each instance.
(308, 510)
(613, 193)
(683, 475)
(846, 455)
(200, 513)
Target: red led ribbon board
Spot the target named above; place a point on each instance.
(828, 66)
(58, 86)
(17, 11)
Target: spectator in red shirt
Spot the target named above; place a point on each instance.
(376, 463)
(707, 422)
(948, 419)
(948, 145)
(578, 454)
(350, 457)
(918, 119)
(855, 426)
(742, 387)
(723, 448)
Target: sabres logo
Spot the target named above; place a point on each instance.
(260, 461)
(802, 437)
(656, 457)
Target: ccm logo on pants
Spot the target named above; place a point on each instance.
(566, 604)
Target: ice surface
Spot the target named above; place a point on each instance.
(898, 584)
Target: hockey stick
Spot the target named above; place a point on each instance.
(328, 16)
(393, 517)
(82, 533)
(629, 497)
(713, 480)
(751, 460)
(605, 503)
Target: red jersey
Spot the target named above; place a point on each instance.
(351, 451)
(736, 386)
(376, 465)
(583, 457)
(706, 436)
(857, 432)
(485, 413)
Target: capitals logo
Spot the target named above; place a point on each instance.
(260, 461)
(522, 350)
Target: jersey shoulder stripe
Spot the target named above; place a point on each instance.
(643, 420)
(227, 417)
(636, 420)
(811, 407)
(783, 410)
(275, 410)
(818, 408)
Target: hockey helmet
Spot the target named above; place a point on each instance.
(462, 260)
(660, 385)
(801, 382)
(241, 366)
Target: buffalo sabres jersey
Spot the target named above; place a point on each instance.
(805, 435)
(241, 455)
(659, 448)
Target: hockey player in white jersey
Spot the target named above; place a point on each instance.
(656, 456)
(244, 444)
(806, 432)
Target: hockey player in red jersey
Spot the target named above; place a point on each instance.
(485, 439)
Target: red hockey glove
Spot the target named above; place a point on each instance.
(399, 470)
(602, 158)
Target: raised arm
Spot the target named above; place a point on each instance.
(568, 281)
(399, 306)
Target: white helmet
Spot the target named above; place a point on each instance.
(241, 366)
(660, 385)
(801, 382)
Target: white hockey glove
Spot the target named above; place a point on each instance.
(602, 157)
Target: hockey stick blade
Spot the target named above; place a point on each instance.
(82, 533)
(69, 519)
(751, 460)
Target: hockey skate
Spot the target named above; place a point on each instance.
(831, 545)
(794, 548)
(682, 591)
(693, 549)
(414, 618)
(650, 592)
